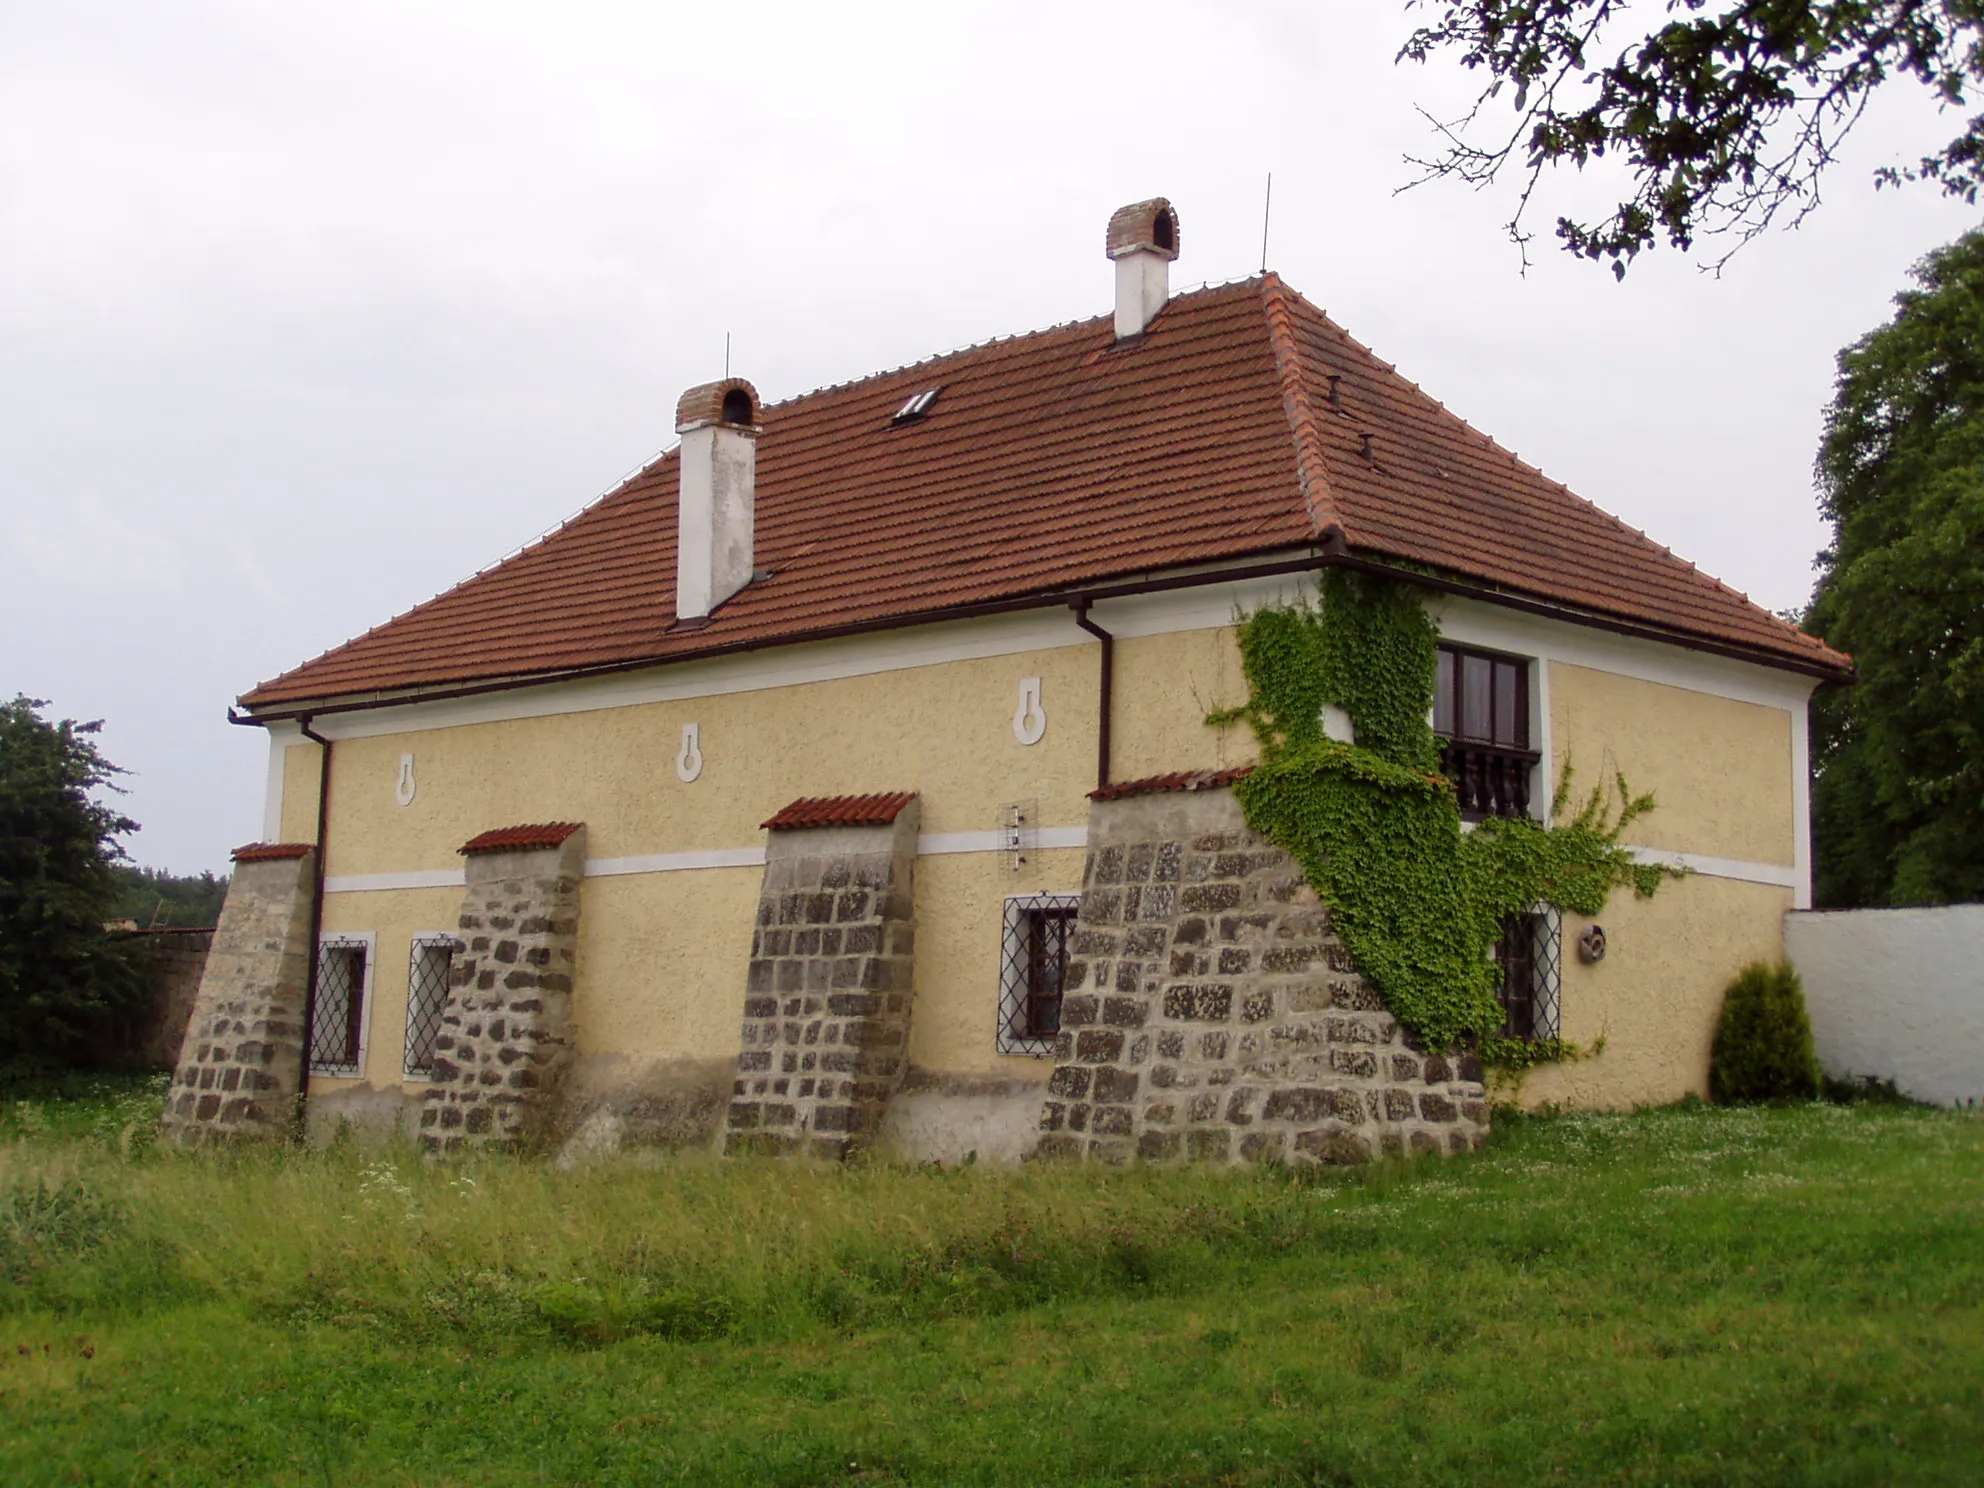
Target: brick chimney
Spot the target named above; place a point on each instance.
(716, 511)
(1143, 239)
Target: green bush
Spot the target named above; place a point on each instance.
(1763, 1047)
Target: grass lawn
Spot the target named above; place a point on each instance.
(1790, 1296)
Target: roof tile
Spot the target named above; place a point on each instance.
(532, 837)
(269, 852)
(1178, 780)
(841, 811)
(1053, 461)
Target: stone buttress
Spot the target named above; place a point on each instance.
(829, 989)
(241, 1065)
(506, 1029)
(1212, 1014)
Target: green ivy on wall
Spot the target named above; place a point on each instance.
(1417, 901)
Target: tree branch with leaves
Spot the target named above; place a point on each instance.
(1726, 121)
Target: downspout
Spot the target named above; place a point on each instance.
(316, 915)
(1105, 689)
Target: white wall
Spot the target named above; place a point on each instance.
(1896, 993)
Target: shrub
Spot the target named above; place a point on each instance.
(47, 1220)
(1763, 1047)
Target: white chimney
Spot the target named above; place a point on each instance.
(1143, 239)
(716, 507)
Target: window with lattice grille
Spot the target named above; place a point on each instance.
(428, 969)
(344, 996)
(1033, 970)
(1528, 959)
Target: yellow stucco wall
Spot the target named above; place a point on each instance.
(394, 919)
(1165, 687)
(945, 731)
(960, 920)
(1656, 996)
(671, 946)
(662, 954)
(1719, 770)
(300, 770)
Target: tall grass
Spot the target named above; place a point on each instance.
(1685, 1295)
(507, 1250)
(503, 1251)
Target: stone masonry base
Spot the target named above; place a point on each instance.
(506, 1030)
(242, 1058)
(828, 992)
(1213, 1015)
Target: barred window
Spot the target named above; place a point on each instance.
(1528, 959)
(338, 1021)
(428, 969)
(1033, 971)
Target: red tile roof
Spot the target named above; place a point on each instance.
(1180, 780)
(532, 837)
(1244, 421)
(841, 811)
(268, 852)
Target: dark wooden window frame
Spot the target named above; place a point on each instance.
(1493, 774)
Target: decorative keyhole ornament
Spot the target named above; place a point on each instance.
(689, 762)
(403, 791)
(1030, 722)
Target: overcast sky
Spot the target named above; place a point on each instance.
(306, 313)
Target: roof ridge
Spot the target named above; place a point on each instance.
(1205, 289)
(1311, 469)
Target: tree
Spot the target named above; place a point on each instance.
(154, 898)
(61, 976)
(1899, 796)
(1724, 121)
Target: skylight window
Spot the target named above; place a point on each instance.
(917, 406)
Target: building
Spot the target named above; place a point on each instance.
(761, 797)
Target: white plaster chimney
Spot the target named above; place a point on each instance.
(1143, 239)
(717, 506)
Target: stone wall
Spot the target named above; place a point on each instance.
(1213, 1015)
(506, 1031)
(240, 1066)
(171, 964)
(829, 989)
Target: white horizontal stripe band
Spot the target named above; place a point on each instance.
(419, 878)
(1774, 874)
(675, 862)
(936, 844)
(929, 844)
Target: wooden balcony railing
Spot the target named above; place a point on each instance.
(1489, 781)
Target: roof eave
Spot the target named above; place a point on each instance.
(1328, 555)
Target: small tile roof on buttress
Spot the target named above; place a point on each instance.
(1243, 422)
(1178, 780)
(271, 852)
(531, 837)
(840, 811)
